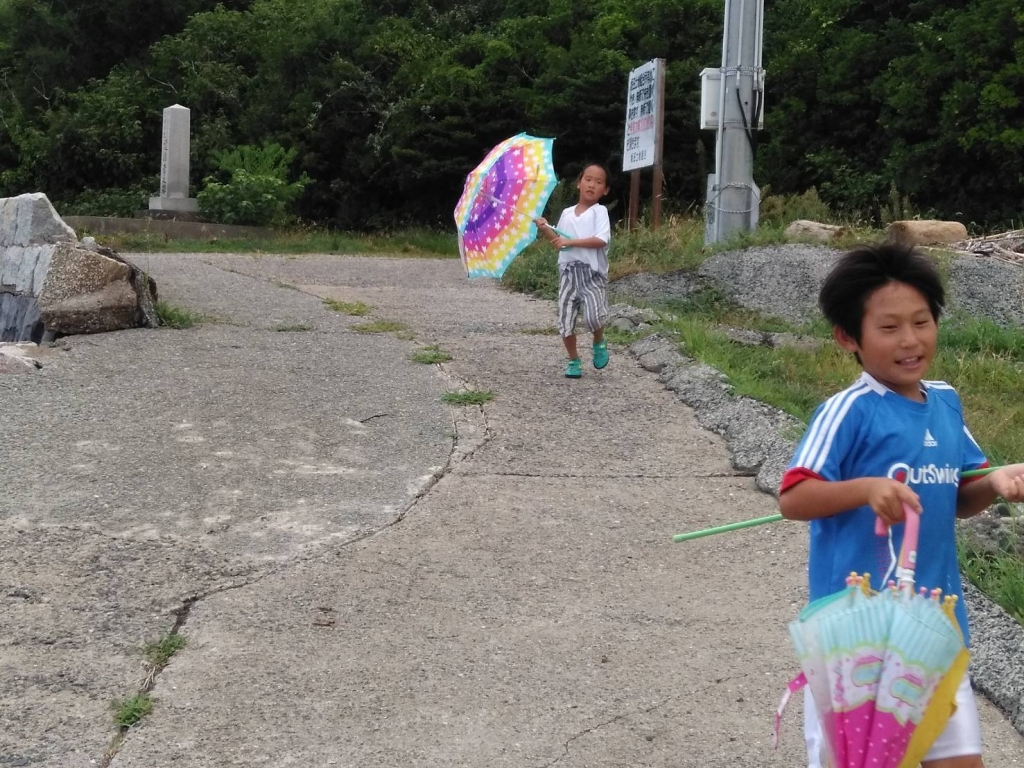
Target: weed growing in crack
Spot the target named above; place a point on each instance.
(468, 397)
(128, 712)
(432, 355)
(379, 326)
(159, 652)
(176, 317)
(354, 308)
(296, 328)
(549, 331)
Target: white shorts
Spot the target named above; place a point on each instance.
(962, 735)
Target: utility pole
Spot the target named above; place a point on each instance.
(733, 198)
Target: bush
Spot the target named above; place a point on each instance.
(250, 199)
(783, 209)
(258, 191)
(105, 202)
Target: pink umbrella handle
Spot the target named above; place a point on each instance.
(908, 552)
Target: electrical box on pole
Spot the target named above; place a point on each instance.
(732, 104)
(710, 93)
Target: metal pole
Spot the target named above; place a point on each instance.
(734, 198)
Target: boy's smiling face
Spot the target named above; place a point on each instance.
(897, 339)
(593, 184)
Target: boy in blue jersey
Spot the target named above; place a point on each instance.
(893, 438)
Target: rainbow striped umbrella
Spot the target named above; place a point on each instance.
(501, 198)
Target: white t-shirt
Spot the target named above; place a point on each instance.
(592, 223)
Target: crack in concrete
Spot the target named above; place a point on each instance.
(599, 726)
(648, 710)
(455, 457)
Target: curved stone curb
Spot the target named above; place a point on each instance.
(754, 434)
(753, 430)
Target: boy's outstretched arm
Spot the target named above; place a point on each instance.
(813, 498)
(975, 496)
(584, 242)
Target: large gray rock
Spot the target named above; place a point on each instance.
(51, 283)
(31, 220)
(19, 318)
(988, 288)
(90, 292)
(782, 281)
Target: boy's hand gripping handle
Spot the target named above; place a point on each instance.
(908, 552)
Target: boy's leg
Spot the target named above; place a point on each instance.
(964, 761)
(594, 296)
(568, 313)
(813, 736)
(959, 744)
(570, 346)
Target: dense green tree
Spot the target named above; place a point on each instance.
(387, 104)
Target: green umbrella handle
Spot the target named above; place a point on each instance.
(559, 232)
(723, 528)
(773, 518)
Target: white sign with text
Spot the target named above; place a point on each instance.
(639, 149)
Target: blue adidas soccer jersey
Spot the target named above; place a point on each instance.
(870, 431)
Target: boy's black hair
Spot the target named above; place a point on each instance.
(594, 163)
(864, 270)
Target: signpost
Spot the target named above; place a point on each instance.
(643, 139)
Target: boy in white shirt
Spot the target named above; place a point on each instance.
(583, 266)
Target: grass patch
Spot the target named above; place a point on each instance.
(468, 397)
(548, 331)
(615, 336)
(406, 335)
(159, 652)
(999, 575)
(176, 317)
(432, 355)
(411, 243)
(380, 326)
(296, 328)
(354, 308)
(128, 712)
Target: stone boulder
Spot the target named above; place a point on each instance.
(782, 281)
(926, 232)
(21, 357)
(50, 283)
(988, 288)
(802, 229)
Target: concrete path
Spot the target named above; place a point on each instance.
(365, 576)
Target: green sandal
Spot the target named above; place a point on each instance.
(601, 354)
(574, 369)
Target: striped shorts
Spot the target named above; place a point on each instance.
(581, 289)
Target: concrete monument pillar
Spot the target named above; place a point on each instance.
(174, 163)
